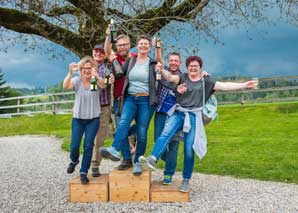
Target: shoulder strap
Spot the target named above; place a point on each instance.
(126, 77)
(121, 100)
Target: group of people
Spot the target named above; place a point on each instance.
(176, 100)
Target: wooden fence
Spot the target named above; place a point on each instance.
(57, 103)
(54, 103)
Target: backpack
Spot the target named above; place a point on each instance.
(209, 108)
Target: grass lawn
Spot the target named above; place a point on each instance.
(253, 141)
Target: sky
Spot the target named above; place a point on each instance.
(263, 51)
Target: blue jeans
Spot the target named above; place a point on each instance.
(173, 124)
(137, 108)
(125, 149)
(170, 154)
(78, 128)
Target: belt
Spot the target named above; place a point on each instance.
(140, 94)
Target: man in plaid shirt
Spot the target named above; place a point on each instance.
(167, 98)
(99, 57)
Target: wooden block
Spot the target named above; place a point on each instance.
(97, 189)
(125, 187)
(167, 193)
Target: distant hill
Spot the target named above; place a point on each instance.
(37, 90)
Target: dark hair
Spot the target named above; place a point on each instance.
(143, 37)
(194, 58)
(175, 53)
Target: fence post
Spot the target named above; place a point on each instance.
(242, 98)
(53, 104)
(18, 103)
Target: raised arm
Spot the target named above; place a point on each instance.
(167, 75)
(108, 44)
(67, 84)
(227, 86)
(158, 51)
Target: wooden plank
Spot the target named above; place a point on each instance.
(167, 193)
(38, 95)
(125, 187)
(96, 191)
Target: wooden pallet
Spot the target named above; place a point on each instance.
(167, 193)
(125, 187)
(96, 191)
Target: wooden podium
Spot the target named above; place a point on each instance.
(167, 193)
(123, 186)
(97, 190)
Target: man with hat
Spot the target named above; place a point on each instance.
(99, 57)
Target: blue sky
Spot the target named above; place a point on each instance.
(263, 51)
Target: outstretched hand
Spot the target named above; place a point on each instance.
(181, 88)
(72, 67)
(251, 84)
(159, 67)
(204, 73)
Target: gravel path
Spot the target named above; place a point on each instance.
(33, 179)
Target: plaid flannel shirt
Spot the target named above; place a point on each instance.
(105, 94)
(162, 94)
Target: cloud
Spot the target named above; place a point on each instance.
(263, 51)
(32, 68)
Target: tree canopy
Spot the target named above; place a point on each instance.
(78, 25)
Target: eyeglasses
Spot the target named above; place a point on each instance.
(87, 68)
(122, 45)
(194, 66)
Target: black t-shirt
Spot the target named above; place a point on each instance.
(193, 97)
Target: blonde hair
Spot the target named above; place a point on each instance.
(84, 60)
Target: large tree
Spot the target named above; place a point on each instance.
(79, 24)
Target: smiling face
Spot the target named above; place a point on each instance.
(143, 46)
(194, 69)
(86, 70)
(123, 46)
(98, 55)
(174, 63)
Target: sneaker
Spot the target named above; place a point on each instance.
(84, 179)
(125, 164)
(184, 187)
(137, 170)
(150, 162)
(110, 153)
(71, 167)
(167, 179)
(95, 172)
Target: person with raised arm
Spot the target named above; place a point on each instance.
(86, 112)
(186, 115)
(140, 100)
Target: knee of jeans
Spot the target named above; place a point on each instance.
(188, 153)
(88, 147)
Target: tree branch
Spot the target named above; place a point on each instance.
(29, 23)
(63, 11)
(169, 3)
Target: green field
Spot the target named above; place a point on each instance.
(253, 141)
